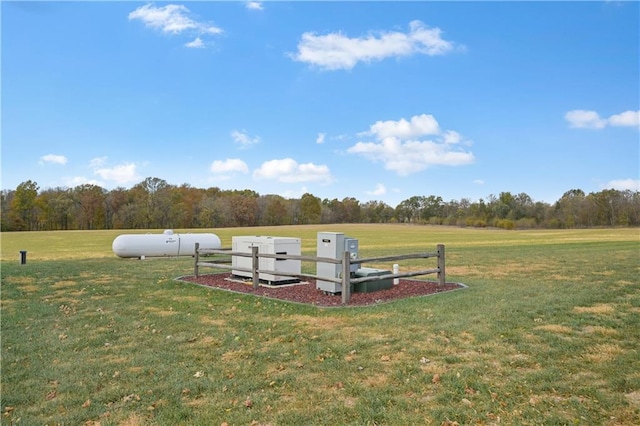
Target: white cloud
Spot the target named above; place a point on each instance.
(120, 174)
(342, 137)
(583, 119)
(379, 190)
(623, 185)
(336, 51)
(451, 137)
(295, 193)
(72, 182)
(409, 157)
(418, 126)
(320, 138)
(242, 137)
(54, 159)
(172, 19)
(97, 162)
(287, 170)
(627, 118)
(254, 5)
(401, 150)
(230, 165)
(197, 43)
(478, 181)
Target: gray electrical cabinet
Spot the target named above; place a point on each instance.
(333, 245)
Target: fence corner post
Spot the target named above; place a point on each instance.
(346, 278)
(441, 268)
(196, 269)
(254, 267)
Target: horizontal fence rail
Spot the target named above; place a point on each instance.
(345, 279)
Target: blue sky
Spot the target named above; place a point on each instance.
(372, 100)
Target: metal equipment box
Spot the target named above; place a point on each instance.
(333, 245)
(371, 286)
(267, 245)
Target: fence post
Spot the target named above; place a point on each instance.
(441, 269)
(346, 278)
(254, 267)
(196, 269)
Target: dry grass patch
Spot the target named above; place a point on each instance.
(597, 329)
(511, 269)
(370, 335)
(376, 380)
(65, 298)
(161, 312)
(319, 322)
(133, 420)
(114, 359)
(462, 270)
(199, 402)
(194, 299)
(103, 279)
(135, 369)
(18, 279)
(205, 341)
(7, 303)
(233, 355)
(432, 368)
(523, 362)
(467, 337)
(604, 273)
(349, 401)
(604, 352)
(207, 320)
(555, 328)
(77, 293)
(599, 309)
(633, 398)
(64, 284)
(29, 288)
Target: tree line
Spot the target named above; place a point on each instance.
(156, 204)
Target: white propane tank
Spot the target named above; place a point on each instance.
(160, 245)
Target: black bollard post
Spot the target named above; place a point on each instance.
(23, 257)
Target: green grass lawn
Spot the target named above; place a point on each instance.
(548, 332)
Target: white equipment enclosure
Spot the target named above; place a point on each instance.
(267, 245)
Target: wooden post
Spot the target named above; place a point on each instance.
(196, 269)
(254, 267)
(346, 278)
(441, 270)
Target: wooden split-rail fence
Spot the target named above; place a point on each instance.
(345, 278)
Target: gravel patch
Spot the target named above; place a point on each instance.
(307, 293)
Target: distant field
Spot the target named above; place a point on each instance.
(546, 333)
(54, 245)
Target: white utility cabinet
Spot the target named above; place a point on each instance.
(267, 245)
(333, 245)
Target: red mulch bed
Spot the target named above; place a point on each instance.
(308, 294)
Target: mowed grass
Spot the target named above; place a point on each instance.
(548, 332)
